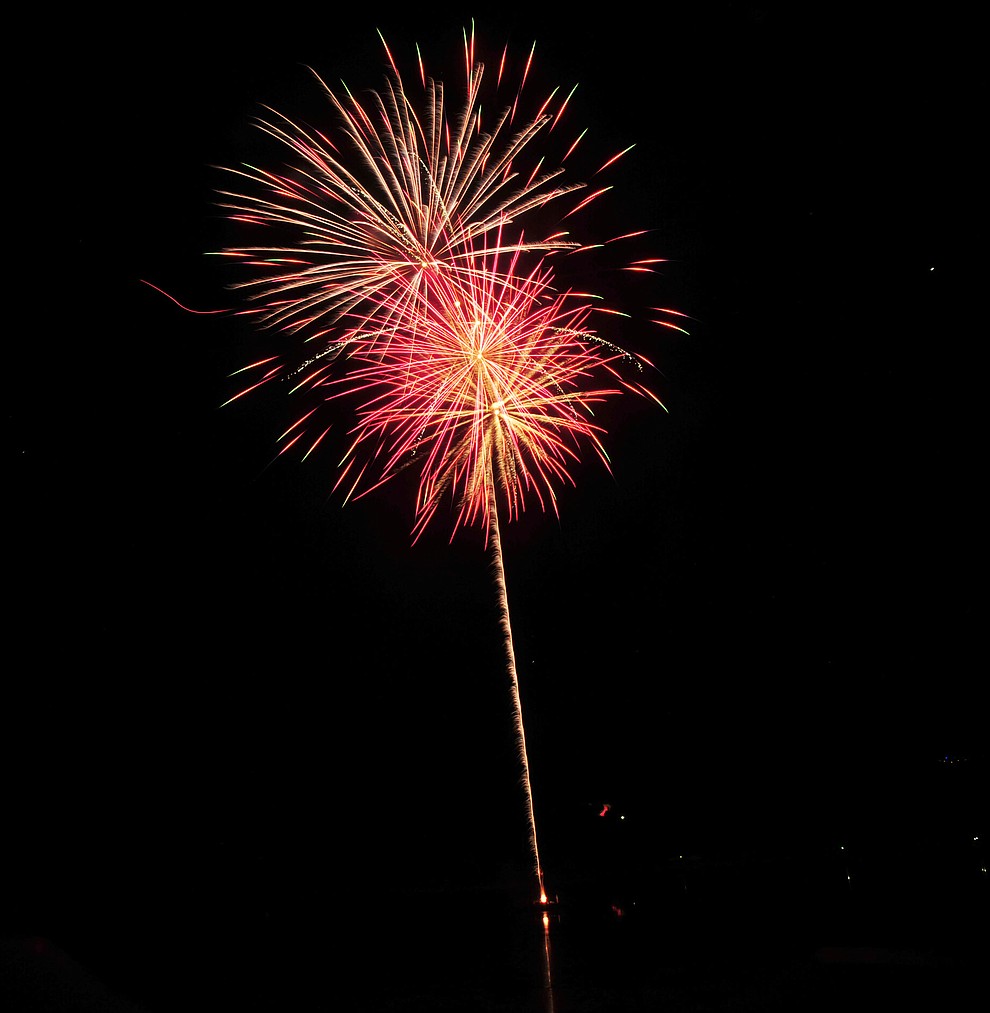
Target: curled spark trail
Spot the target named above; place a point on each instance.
(203, 313)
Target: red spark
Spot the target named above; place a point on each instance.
(177, 303)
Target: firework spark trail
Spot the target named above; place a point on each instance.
(510, 658)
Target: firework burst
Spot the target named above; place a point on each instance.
(392, 197)
(408, 267)
(487, 387)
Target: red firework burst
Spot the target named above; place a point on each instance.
(490, 386)
(407, 260)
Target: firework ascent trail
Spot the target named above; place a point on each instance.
(510, 661)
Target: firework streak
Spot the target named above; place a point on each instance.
(398, 258)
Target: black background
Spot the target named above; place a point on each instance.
(761, 628)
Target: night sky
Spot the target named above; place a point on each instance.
(762, 625)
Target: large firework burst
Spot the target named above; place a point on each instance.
(407, 265)
(486, 388)
(392, 197)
